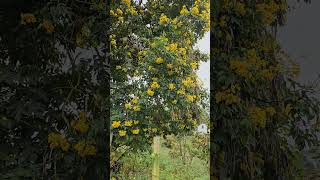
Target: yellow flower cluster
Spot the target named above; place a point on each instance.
(28, 18)
(127, 106)
(135, 131)
(81, 125)
(57, 140)
(116, 124)
(253, 67)
(267, 12)
(172, 47)
(259, 116)
(159, 60)
(163, 19)
(195, 10)
(155, 85)
(122, 133)
(150, 92)
(85, 148)
(181, 92)
(171, 86)
(47, 25)
(133, 11)
(194, 65)
(136, 108)
(184, 11)
(127, 2)
(228, 96)
(191, 98)
(188, 82)
(240, 67)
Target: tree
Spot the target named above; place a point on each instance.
(54, 79)
(258, 108)
(154, 87)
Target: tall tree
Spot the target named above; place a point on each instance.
(54, 79)
(261, 115)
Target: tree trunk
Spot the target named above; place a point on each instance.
(156, 163)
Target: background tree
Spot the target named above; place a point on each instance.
(54, 79)
(262, 117)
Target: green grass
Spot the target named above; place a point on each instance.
(175, 164)
(175, 169)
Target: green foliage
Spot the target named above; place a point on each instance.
(53, 75)
(154, 88)
(173, 164)
(262, 117)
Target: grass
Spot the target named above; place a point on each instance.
(177, 162)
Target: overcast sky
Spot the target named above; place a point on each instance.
(204, 71)
(300, 38)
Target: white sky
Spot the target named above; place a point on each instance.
(204, 70)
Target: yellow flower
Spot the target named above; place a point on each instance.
(172, 47)
(163, 19)
(135, 100)
(116, 124)
(195, 10)
(136, 108)
(188, 82)
(159, 60)
(127, 106)
(85, 149)
(127, 2)
(194, 65)
(155, 85)
(133, 11)
(190, 98)
(150, 92)
(122, 133)
(171, 86)
(181, 91)
(47, 25)
(227, 96)
(135, 131)
(183, 51)
(81, 125)
(28, 18)
(135, 122)
(128, 123)
(112, 13)
(207, 6)
(151, 68)
(258, 116)
(184, 11)
(240, 68)
(64, 145)
(169, 66)
(119, 11)
(55, 140)
(121, 19)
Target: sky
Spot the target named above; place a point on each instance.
(204, 70)
(300, 38)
